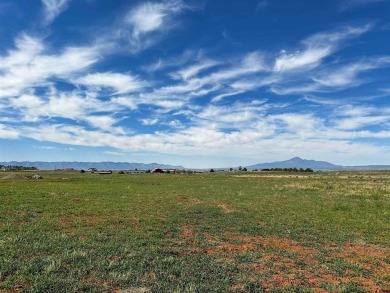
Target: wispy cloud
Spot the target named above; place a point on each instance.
(357, 122)
(331, 78)
(114, 153)
(193, 70)
(52, 8)
(28, 66)
(344, 76)
(147, 19)
(174, 62)
(53, 148)
(349, 117)
(121, 83)
(316, 48)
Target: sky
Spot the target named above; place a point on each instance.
(206, 83)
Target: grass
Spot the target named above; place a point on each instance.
(237, 232)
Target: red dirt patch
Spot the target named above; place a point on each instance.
(286, 262)
(362, 251)
(188, 232)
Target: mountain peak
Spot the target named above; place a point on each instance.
(296, 159)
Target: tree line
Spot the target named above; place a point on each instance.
(288, 169)
(16, 168)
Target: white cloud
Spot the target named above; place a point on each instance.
(359, 122)
(345, 76)
(149, 18)
(219, 97)
(317, 47)
(294, 89)
(114, 153)
(307, 59)
(146, 18)
(53, 8)
(27, 66)
(350, 110)
(149, 121)
(304, 125)
(193, 70)
(349, 117)
(27, 48)
(121, 83)
(101, 121)
(250, 64)
(27, 101)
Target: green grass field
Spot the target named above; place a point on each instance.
(232, 232)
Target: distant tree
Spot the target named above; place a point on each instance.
(244, 169)
(212, 170)
(231, 169)
(121, 172)
(82, 171)
(239, 168)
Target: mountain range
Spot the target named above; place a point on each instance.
(292, 163)
(86, 165)
(315, 165)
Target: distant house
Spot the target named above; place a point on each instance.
(105, 172)
(92, 170)
(158, 170)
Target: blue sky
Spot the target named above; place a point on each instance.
(196, 83)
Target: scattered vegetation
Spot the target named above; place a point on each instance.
(201, 232)
(288, 170)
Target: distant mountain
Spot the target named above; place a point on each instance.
(298, 163)
(86, 165)
(315, 165)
